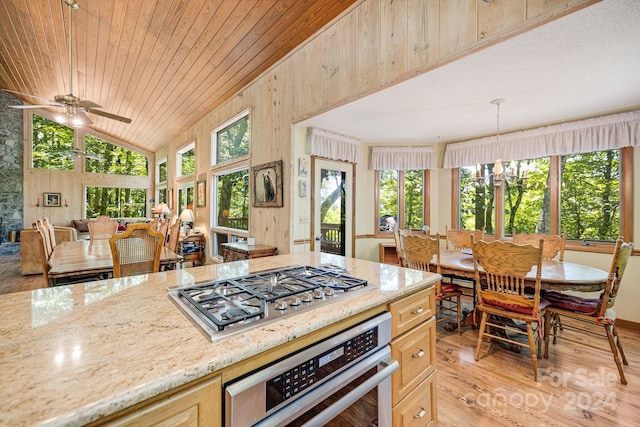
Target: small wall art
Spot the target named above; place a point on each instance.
(304, 188)
(52, 200)
(267, 185)
(201, 193)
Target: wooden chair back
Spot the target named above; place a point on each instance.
(136, 251)
(41, 236)
(163, 227)
(49, 242)
(102, 227)
(460, 238)
(553, 244)
(500, 269)
(621, 255)
(420, 250)
(397, 233)
(174, 236)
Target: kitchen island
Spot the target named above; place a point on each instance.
(78, 354)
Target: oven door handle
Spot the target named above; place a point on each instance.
(390, 366)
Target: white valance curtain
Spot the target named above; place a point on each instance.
(403, 158)
(334, 146)
(599, 134)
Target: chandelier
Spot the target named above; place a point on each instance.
(501, 173)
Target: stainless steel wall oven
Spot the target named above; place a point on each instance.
(344, 380)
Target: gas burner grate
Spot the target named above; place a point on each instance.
(225, 303)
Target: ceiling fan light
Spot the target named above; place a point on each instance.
(61, 118)
(76, 121)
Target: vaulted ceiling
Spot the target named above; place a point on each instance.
(163, 63)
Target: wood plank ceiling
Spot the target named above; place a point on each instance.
(163, 63)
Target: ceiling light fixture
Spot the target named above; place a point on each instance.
(500, 172)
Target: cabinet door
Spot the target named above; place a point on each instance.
(416, 352)
(419, 408)
(200, 405)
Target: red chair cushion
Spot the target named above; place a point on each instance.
(511, 307)
(572, 303)
(449, 287)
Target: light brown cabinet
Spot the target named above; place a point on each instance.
(414, 347)
(241, 251)
(199, 405)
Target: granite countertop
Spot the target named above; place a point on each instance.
(70, 355)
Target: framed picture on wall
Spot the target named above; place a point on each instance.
(267, 185)
(52, 200)
(201, 193)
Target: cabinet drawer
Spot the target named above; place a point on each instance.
(415, 351)
(412, 310)
(419, 408)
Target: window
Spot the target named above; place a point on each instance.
(578, 193)
(162, 195)
(116, 202)
(113, 159)
(161, 171)
(590, 195)
(186, 160)
(185, 196)
(401, 200)
(52, 144)
(230, 182)
(231, 141)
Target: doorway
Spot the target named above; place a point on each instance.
(333, 207)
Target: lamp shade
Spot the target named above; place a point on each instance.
(186, 215)
(162, 208)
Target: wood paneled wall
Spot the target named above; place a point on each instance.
(375, 44)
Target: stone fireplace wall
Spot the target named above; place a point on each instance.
(11, 167)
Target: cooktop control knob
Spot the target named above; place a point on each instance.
(306, 297)
(294, 301)
(318, 294)
(281, 304)
(329, 291)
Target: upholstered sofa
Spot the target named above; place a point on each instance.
(30, 252)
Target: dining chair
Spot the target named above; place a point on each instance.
(396, 235)
(102, 227)
(419, 251)
(44, 255)
(592, 313)
(136, 251)
(458, 239)
(163, 227)
(49, 238)
(553, 244)
(500, 270)
(172, 240)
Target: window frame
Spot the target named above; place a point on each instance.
(217, 169)
(159, 163)
(214, 140)
(426, 201)
(184, 149)
(626, 204)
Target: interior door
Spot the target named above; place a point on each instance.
(333, 207)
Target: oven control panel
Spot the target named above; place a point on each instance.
(299, 378)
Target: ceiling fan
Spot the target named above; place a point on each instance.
(77, 152)
(74, 108)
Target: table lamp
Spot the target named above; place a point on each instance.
(161, 209)
(186, 216)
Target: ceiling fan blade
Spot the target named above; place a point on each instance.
(108, 115)
(84, 118)
(88, 104)
(24, 107)
(31, 96)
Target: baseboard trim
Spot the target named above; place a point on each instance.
(628, 324)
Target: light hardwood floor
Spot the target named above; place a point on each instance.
(579, 385)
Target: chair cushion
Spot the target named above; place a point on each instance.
(449, 287)
(572, 303)
(510, 307)
(122, 227)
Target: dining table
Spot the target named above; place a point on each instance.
(80, 259)
(556, 276)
